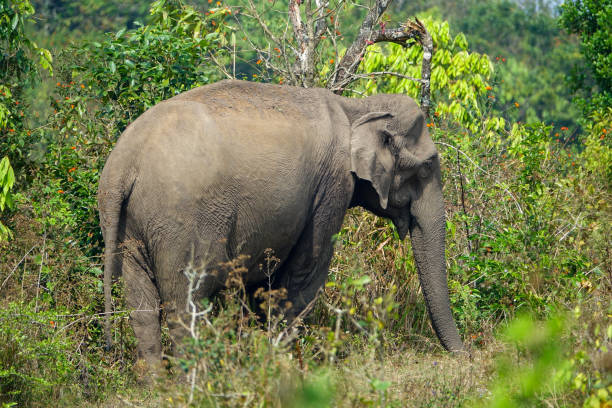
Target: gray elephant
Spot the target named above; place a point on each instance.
(239, 167)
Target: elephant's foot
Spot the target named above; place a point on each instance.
(148, 372)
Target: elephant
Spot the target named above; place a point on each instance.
(237, 168)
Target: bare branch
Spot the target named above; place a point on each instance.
(282, 50)
(263, 24)
(321, 21)
(350, 62)
(369, 75)
(301, 38)
(221, 66)
(427, 43)
(399, 35)
(310, 25)
(345, 72)
(296, 21)
(16, 266)
(305, 37)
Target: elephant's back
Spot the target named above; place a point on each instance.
(258, 100)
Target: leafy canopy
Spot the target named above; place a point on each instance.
(459, 78)
(17, 70)
(592, 21)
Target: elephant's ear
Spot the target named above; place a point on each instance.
(371, 158)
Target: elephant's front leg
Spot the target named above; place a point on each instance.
(305, 270)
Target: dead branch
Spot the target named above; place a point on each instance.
(304, 33)
(428, 51)
(371, 75)
(263, 24)
(311, 24)
(345, 73)
(354, 54)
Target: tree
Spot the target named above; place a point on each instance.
(18, 69)
(61, 21)
(459, 79)
(590, 19)
(311, 40)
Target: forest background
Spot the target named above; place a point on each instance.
(521, 115)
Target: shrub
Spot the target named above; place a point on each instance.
(35, 362)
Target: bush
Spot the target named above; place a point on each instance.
(25, 333)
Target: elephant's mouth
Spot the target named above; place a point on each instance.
(402, 223)
(402, 229)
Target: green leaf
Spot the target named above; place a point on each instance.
(211, 36)
(15, 21)
(361, 281)
(379, 385)
(196, 30)
(461, 41)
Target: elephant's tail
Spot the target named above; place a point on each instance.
(110, 205)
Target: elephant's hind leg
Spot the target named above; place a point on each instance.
(143, 302)
(186, 276)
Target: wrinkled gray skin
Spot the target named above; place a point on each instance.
(237, 167)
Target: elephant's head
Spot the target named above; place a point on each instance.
(398, 177)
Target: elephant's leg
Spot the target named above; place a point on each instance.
(143, 301)
(185, 276)
(305, 270)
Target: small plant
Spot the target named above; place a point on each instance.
(534, 367)
(26, 332)
(7, 180)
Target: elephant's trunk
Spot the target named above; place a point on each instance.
(427, 232)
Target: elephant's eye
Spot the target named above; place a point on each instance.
(425, 169)
(386, 137)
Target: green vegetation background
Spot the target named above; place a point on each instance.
(522, 120)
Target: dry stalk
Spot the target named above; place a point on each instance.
(195, 277)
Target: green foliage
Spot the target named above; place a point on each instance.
(26, 332)
(133, 70)
(550, 361)
(591, 20)
(532, 54)
(540, 368)
(7, 180)
(65, 21)
(18, 50)
(508, 262)
(317, 391)
(592, 377)
(597, 152)
(458, 77)
(17, 70)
